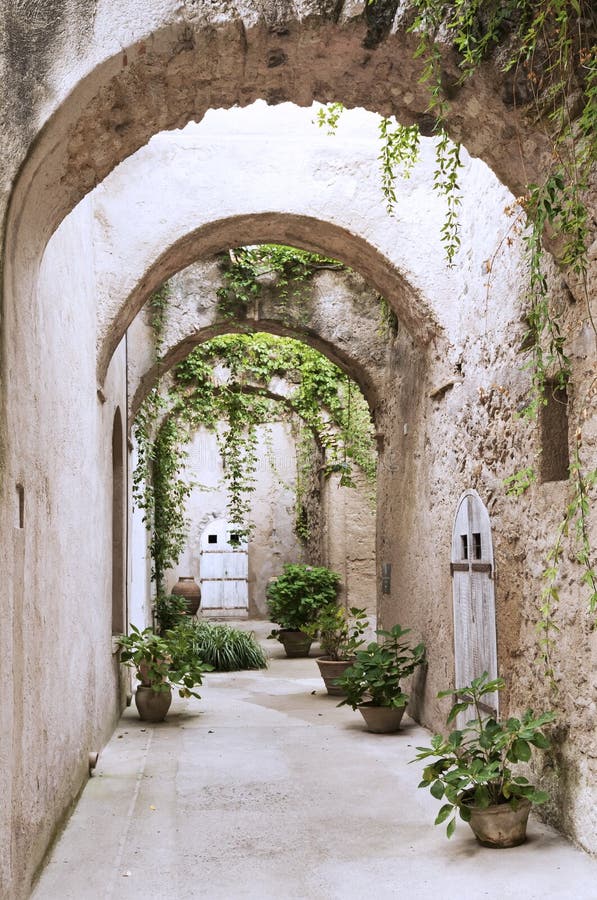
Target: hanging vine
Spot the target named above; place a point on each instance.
(553, 45)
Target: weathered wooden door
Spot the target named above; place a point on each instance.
(223, 569)
(475, 644)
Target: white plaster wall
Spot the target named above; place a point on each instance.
(141, 590)
(57, 649)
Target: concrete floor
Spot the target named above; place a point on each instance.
(264, 789)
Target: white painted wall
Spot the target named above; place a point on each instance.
(305, 182)
(59, 644)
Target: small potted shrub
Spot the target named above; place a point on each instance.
(340, 636)
(160, 661)
(295, 599)
(373, 683)
(472, 772)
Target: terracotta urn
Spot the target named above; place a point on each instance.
(152, 706)
(381, 719)
(187, 587)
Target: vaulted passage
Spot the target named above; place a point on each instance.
(150, 153)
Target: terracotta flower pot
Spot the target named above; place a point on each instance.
(188, 588)
(501, 826)
(381, 719)
(296, 643)
(152, 705)
(330, 670)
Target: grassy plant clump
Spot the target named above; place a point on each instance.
(223, 647)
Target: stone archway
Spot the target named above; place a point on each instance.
(155, 71)
(338, 314)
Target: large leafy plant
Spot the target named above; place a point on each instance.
(473, 765)
(378, 671)
(162, 661)
(299, 594)
(340, 631)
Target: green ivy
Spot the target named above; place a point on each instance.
(170, 491)
(305, 464)
(329, 404)
(243, 270)
(158, 304)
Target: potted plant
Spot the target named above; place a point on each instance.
(472, 771)
(373, 683)
(161, 661)
(295, 599)
(340, 636)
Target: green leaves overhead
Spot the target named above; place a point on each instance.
(244, 268)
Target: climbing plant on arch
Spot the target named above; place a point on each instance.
(326, 400)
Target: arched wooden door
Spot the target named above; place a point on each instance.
(475, 643)
(224, 571)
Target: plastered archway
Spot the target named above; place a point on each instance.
(154, 70)
(147, 223)
(336, 312)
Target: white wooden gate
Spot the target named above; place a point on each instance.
(475, 645)
(224, 570)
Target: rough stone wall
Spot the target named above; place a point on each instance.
(350, 540)
(311, 459)
(466, 434)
